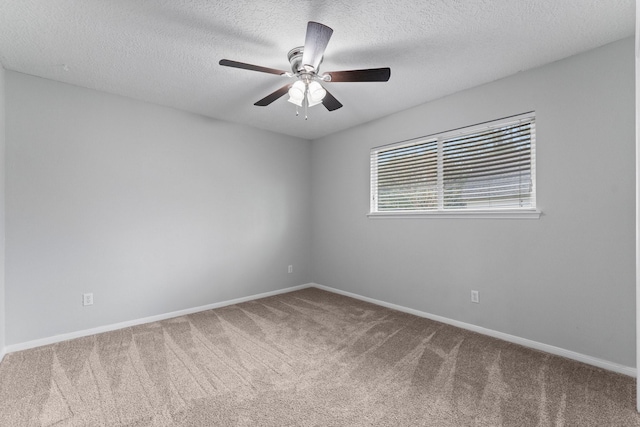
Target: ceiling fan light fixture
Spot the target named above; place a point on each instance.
(316, 93)
(297, 93)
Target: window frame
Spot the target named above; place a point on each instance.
(440, 212)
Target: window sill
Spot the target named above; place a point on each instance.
(505, 214)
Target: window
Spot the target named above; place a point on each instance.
(488, 170)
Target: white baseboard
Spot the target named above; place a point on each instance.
(604, 364)
(107, 328)
(600, 363)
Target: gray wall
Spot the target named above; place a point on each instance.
(154, 210)
(151, 209)
(2, 169)
(567, 279)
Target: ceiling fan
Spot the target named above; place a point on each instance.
(305, 61)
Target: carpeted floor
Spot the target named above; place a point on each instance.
(306, 358)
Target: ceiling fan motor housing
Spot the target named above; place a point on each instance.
(295, 59)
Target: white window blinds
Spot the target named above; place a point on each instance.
(407, 177)
(487, 167)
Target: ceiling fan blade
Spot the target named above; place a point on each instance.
(318, 36)
(369, 75)
(273, 96)
(330, 102)
(251, 67)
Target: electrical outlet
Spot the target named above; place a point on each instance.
(290, 270)
(87, 299)
(475, 297)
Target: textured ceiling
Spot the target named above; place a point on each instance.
(167, 51)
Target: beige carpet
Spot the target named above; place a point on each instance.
(306, 358)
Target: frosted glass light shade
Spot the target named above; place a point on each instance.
(296, 93)
(316, 93)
